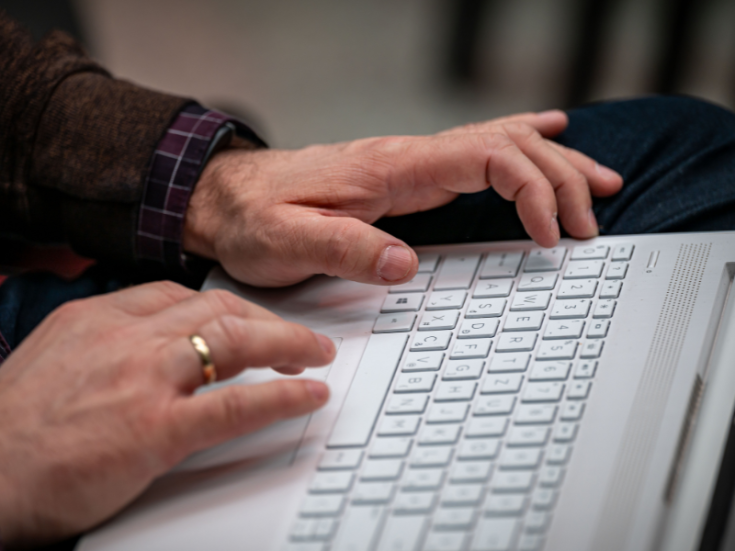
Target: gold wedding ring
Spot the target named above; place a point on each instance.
(208, 370)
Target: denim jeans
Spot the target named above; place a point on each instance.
(676, 155)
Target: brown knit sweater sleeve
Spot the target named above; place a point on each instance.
(75, 145)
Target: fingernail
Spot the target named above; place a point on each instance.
(593, 223)
(394, 263)
(318, 390)
(551, 113)
(607, 173)
(554, 227)
(326, 343)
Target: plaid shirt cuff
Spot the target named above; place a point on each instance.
(175, 168)
(4, 353)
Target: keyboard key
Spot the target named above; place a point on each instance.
(331, 482)
(322, 506)
(482, 427)
(550, 371)
(499, 384)
(543, 499)
(454, 519)
(604, 308)
(493, 289)
(485, 308)
(564, 329)
(579, 390)
(516, 342)
(588, 252)
(530, 542)
(520, 459)
(565, 432)
(538, 282)
(447, 413)
(477, 329)
(537, 300)
(536, 522)
(432, 456)
(463, 369)
(464, 472)
(611, 289)
(500, 265)
(431, 340)
(591, 349)
(572, 411)
(495, 534)
(558, 454)
(616, 270)
(557, 350)
(528, 436)
(550, 477)
(357, 522)
(407, 404)
(423, 479)
(394, 323)
(333, 460)
(446, 300)
(582, 288)
(419, 284)
(470, 348)
(585, 369)
(455, 391)
(543, 392)
(381, 469)
(535, 414)
(427, 262)
(368, 390)
(436, 321)
(402, 303)
(445, 541)
(414, 382)
(439, 434)
(524, 321)
(478, 448)
(423, 361)
(504, 505)
(303, 546)
(403, 533)
(512, 482)
(494, 405)
(459, 495)
(457, 272)
(390, 447)
(545, 260)
(509, 362)
(598, 329)
(583, 269)
(623, 251)
(399, 425)
(570, 309)
(413, 503)
(372, 493)
(316, 529)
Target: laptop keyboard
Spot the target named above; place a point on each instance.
(463, 413)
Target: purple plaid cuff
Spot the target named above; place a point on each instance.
(4, 353)
(177, 163)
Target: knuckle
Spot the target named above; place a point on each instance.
(340, 245)
(225, 299)
(233, 331)
(171, 289)
(232, 409)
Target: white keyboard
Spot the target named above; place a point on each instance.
(463, 413)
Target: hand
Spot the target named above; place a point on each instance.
(275, 217)
(98, 400)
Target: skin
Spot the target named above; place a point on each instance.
(99, 399)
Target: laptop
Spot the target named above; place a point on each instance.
(507, 398)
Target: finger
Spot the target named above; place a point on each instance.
(185, 317)
(147, 299)
(236, 344)
(341, 246)
(603, 181)
(572, 190)
(547, 123)
(206, 419)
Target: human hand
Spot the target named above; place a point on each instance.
(98, 400)
(276, 217)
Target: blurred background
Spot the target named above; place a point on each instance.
(329, 70)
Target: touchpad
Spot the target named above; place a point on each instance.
(280, 438)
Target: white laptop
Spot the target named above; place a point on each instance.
(508, 398)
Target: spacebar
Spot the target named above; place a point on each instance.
(367, 392)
